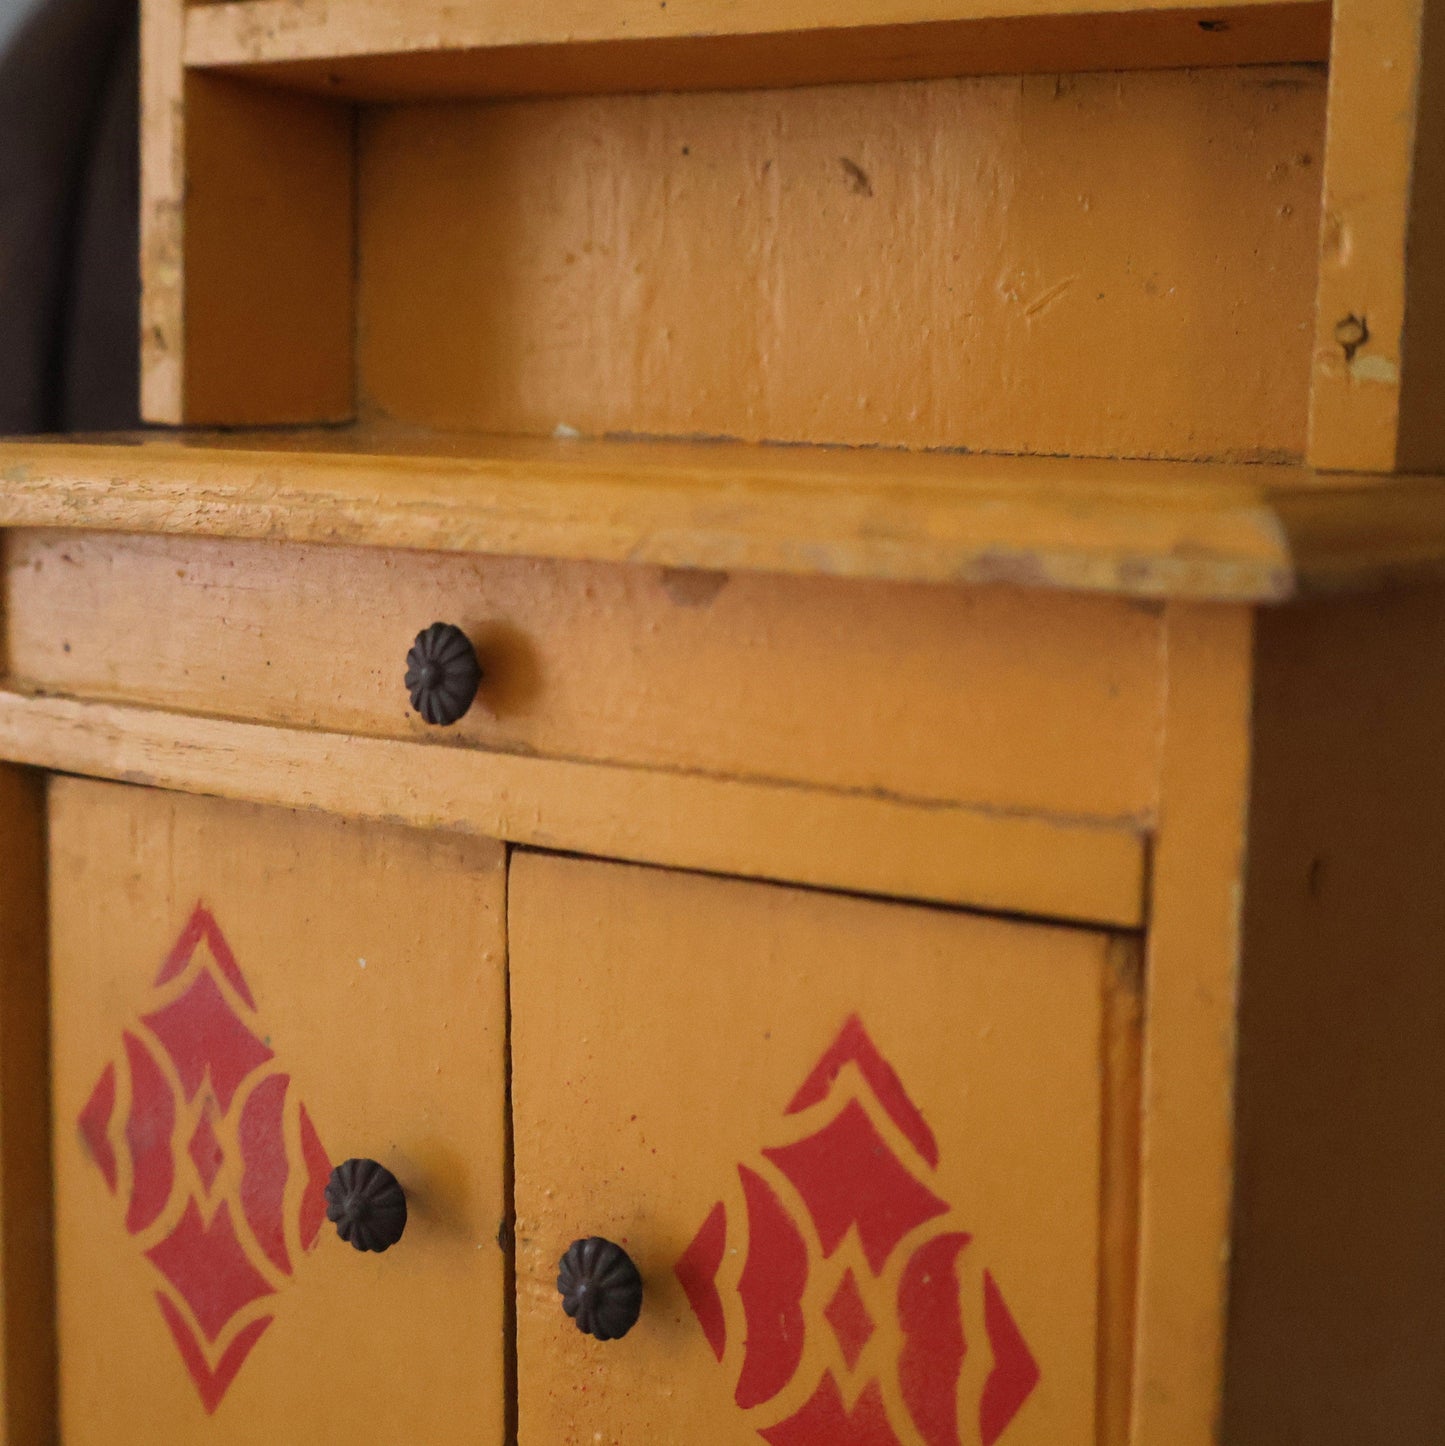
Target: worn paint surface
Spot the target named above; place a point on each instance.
(1379, 378)
(27, 1309)
(1341, 1075)
(1216, 531)
(981, 856)
(246, 243)
(1049, 701)
(186, 1165)
(685, 1043)
(1100, 265)
(419, 51)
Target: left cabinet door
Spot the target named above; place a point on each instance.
(241, 999)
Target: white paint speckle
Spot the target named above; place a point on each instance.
(1368, 367)
(361, 963)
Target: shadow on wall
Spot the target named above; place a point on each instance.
(12, 12)
(69, 215)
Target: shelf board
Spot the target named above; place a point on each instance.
(404, 49)
(1230, 532)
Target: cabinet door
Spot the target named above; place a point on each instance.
(863, 1154)
(243, 997)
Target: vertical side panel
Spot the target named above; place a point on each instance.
(1189, 1045)
(1119, 1196)
(27, 1296)
(247, 251)
(1379, 378)
(162, 188)
(1337, 1316)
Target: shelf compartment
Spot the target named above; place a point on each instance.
(410, 49)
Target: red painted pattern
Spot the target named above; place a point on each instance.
(95, 1125)
(212, 1383)
(221, 1260)
(148, 1136)
(201, 925)
(930, 1313)
(826, 1421)
(1015, 1372)
(210, 1268)
(848, 1314)
(697, 1274)
(206, 1151)
(852, 1181)
(853, 1046)
(771, 1288)
(318, 1172)
(264, 1168)
(204, 1037)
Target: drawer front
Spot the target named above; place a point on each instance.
(241, 999)
(1025, 700)
(863, 1155)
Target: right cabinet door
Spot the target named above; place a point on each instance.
(875, 1163)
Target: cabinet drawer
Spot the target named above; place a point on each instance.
(240, 999)
(1046, 701)
(866, 1157)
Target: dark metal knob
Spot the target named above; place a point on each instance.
(366, 1203)
(442, 673)
(600, 1288)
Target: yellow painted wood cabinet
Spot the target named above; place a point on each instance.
(241, 998)
(868, 1157)
(941, 865)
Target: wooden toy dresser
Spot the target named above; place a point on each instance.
(944, 872)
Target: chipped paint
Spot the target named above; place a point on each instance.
(1372, 368)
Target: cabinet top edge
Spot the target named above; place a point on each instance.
(392, 50)
(1226, 532)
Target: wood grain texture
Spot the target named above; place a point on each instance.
(1192, 965)
(1015, 863)
(308, 28)
(1090, 266)
(1048, 702)
(1379, 384)
(1338, 1285)
(247, 245)
(27, 1286)
(162, 210)
(1143, 529)
(1121, 1170)
(386, 52)
(376, 961)
(732, 992)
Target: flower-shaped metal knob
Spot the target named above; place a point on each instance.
(366, 1203)
(442, 673)
(600, 1288)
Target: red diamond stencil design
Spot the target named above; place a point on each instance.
(829, 1217)
(848, 1314)
(204, 1166)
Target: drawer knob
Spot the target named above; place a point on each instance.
(366, 1203)
(600, 1288)
(442, 673)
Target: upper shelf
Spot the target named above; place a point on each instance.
(400, 49)
(1226, 532)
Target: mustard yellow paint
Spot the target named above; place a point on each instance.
(716, 674)
(662, 1023)
(376, 960)
(1101, 265)
(1202, 531)
(863, 670)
